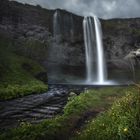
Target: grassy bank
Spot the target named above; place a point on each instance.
(121, 122)
(18, 74)
(78, 114)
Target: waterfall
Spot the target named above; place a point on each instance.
(72, 28)
(89, 41)
(96, 71)
(56, 24)
(62, 26)
(101, 63)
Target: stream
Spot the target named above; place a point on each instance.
(37, 107)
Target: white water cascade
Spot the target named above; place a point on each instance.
(56, 24)
(95, 60)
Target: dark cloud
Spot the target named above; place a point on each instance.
(101, 8)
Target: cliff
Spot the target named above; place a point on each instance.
(32, 29)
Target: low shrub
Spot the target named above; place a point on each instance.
(15, 91)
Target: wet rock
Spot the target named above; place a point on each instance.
(42, 76)
(131, 55)
(72, 94)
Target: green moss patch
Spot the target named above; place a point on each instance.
(18, 74)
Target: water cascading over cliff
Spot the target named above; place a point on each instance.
(95, 60)
(96, 70)
(56, 24)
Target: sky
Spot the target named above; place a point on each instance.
(102, 8)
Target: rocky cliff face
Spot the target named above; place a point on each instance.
(61, 49)
(66, 50)
(32, 28)
(27, 25)
(121, 36)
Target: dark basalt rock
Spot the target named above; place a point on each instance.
(26, 66)
(120, 37)
(42, 76)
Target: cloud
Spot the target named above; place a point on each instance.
(101, 8)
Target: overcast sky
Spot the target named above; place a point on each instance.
(101, 8)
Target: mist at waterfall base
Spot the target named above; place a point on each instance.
(96, 72)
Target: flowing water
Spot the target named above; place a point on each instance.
(95, 59)
(37, 107)
(89, 39)
(56, 24)
(101, 62)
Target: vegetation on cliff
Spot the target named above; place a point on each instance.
(18, 73)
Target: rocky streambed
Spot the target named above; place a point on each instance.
(36, 108)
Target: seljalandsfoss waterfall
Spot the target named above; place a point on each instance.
(96, 69)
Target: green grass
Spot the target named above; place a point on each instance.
(64, 126)
(121, 122)
(101, 98)
(18, 74)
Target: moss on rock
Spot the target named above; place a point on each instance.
(18, 73)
